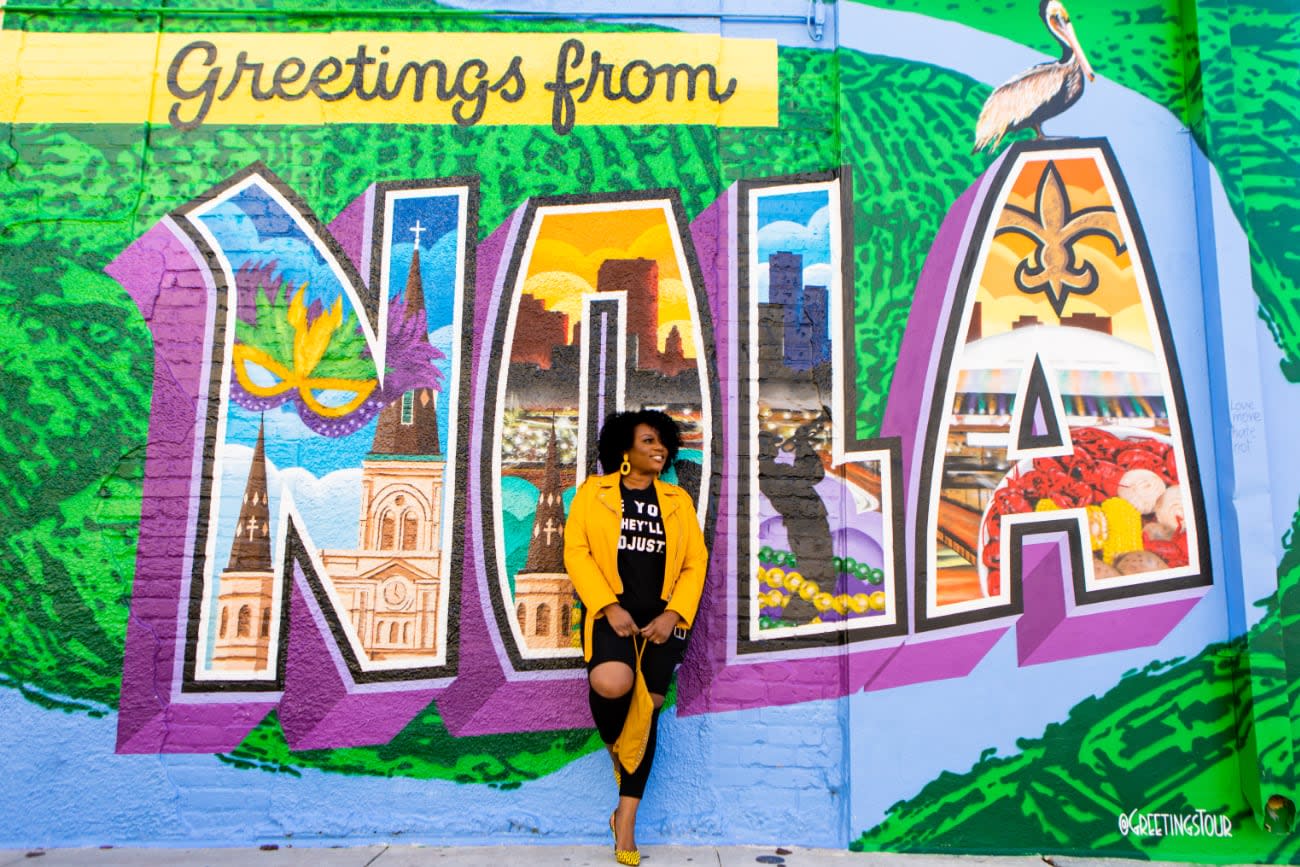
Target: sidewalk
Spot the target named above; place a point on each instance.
(533, 856)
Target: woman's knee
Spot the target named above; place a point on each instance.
(611, 679)
(658, 700)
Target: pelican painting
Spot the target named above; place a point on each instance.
(1040, 92)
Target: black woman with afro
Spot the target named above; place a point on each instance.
(635, 552)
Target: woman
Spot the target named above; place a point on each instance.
(633, 547)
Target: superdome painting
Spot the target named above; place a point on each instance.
(1065, 400)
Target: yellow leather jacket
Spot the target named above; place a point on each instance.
(591, 549)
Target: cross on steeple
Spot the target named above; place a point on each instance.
(546, 551)
(417, 229)
(250, 551)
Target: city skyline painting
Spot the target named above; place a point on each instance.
(604, 317)
(821, 559)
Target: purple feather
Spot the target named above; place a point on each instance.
(409, 359)
(249, 278)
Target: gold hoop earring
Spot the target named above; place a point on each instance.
(624, 468)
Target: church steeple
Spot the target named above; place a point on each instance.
(246, 589)
(545, 604)
(414, 282)
(409, 427)
(392, 587)
(251, 551)
(546, 550)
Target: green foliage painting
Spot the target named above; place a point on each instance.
(1228, 71)
(1162, 740)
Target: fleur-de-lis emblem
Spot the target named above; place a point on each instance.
(1054, 267)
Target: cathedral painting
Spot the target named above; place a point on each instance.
(603, 316)
(246, 587)
(392, 587)
(313, 437)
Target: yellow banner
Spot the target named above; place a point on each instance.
(561, 79)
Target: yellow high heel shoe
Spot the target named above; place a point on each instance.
(629, 857)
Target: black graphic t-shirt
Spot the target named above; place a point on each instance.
(641, 554)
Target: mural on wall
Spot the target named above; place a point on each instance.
(301, 351)
(1055, 417)
(820, 545)
(1060, 408)
(311, 392)
(352, 480)
(597, 301)
(603, 316)
(1117, 435)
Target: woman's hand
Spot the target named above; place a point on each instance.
(658, 630)
(619, 620)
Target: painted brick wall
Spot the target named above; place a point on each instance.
(989, 454)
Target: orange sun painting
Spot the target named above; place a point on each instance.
(572, 246)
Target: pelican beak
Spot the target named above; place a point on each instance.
(1078, 50)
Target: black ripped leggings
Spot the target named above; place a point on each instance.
(609, 714)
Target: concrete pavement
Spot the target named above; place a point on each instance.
(506, 856)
